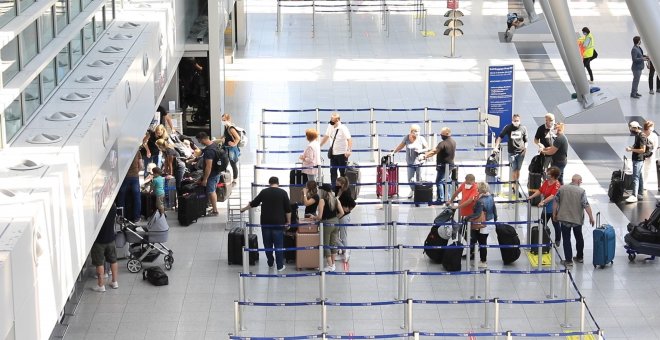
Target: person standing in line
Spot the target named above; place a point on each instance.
(212, 155)
(649, 65)
(311, 198)
(517, 147)
(649, 172)
(329, 213)
(548, 190)
(311, 157)
(568, 211)
(230, 144)
(149, 150)
(558, 151)
(446, 150)
(166, 119)
(132, 184)
(275, 216)
(545, 136)
(340, 147)
(638, 59)
(343, 194)
(587, 48)
(484, 211)
(415, 145)
(637, 149)
(104, 250)
(469, 195)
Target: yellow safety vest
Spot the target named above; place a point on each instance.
(588, 50)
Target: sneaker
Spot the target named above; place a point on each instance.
(591, 81)
(640, 197)
(578, 259)
(567, 263)
(483, 264)
(105, 275)
(270, 264)
(329, 268)
(281, 269)
(99, 289)
(651, 92)
(412, 194)
(631, 199)
(114, 285)
(557, 243)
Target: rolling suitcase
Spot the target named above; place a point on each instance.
(289, 242)
(353, 175)
(307, 259)
(433, 239)
(170, 193)
(391, 176)
(235, 243)
(423, 193)
(451, 258)
(533, 184)
(148, 204)
(619, 183)
(297, 179)
(534, 237)
(507, 235)
(224, 186)
(188, 211)
(604, 243)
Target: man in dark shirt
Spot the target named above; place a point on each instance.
(445, 151)
(638, 149)
(517, 146)
(104, 250)
(545, 136)
(558, 151)
(275, 214)
(212, 154)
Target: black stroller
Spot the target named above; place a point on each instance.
(145, 243)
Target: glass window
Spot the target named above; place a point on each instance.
(88, 36)
(75, 9)
(25, 4)
(7, 11)
(32, 99)
(47, 33)
(9, 56)
(76, 48)
(63, 65)
(99, 22)
(61, 12)
(28, 41)
(48, 79)
(109, 11)
(13, 118)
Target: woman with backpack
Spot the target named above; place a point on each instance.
(484, 211)
(330, 210)
(343, 194)
(172, 163)
(231, 139)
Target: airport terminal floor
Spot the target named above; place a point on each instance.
(401, 69)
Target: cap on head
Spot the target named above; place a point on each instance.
(634, 124)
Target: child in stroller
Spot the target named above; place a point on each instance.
(146, 243)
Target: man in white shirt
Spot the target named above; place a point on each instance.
(341, 145)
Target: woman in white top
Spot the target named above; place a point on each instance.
(311, 157)
(649, 172)
(415, 145)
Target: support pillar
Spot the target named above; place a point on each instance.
(645, 14)
(531, 12)
(217, 24)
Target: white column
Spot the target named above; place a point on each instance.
(240, 19)
(217, 24)
(645, 14)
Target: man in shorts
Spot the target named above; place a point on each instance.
(212, 155)
(516, 147)
(104, 250)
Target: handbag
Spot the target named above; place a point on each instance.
(595, 55)
(477, 222)
(332, 145)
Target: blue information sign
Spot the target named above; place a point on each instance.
(500, 94)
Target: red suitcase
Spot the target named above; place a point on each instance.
(392, 179)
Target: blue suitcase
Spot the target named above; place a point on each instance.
(604, 244)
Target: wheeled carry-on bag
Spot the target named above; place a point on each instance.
(604, 243)
(235, 243)
(353, 175)
(307, 259)
(391, 176)
(297, 179)
(289, 242)
(148, 204)
(507, 236)
(423, 193)
(619, 183)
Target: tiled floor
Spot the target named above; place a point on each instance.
(292, 70)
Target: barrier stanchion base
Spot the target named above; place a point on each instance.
(577, 337)
(534, 259)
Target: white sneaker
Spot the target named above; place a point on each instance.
(99, 289)
(114, 285)
(281, 269)
(631, 199)
(412, 194)
(329, 268)
(651, 92)
(347, 256)
(483, 264)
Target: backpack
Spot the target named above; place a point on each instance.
(491, 165)
(242, 134)
(511, 17)
(536, 165)
(433, 239)
(156, 276)
(649, 148)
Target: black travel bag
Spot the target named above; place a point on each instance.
(156, 276)
(235, 244)
(507, 235)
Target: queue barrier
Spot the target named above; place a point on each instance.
(418, 334)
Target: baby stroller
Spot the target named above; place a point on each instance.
(145, 243)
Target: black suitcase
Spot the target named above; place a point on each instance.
(148, 204)
(533, 184)
(353, 175)
(235, 242)
(290, 242)
(188, 211)
(423, 193)
(507, 235)
(433, 239)
(645, 234)
(535, 240)
(451, 258)
(615, 190)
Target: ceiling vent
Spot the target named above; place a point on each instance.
(60, 116)
(89, 79)
(120, 36)
(75, 97)
(44, 138)
(111, 49)
(129, 25)
(26, 165)
(101, 63)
